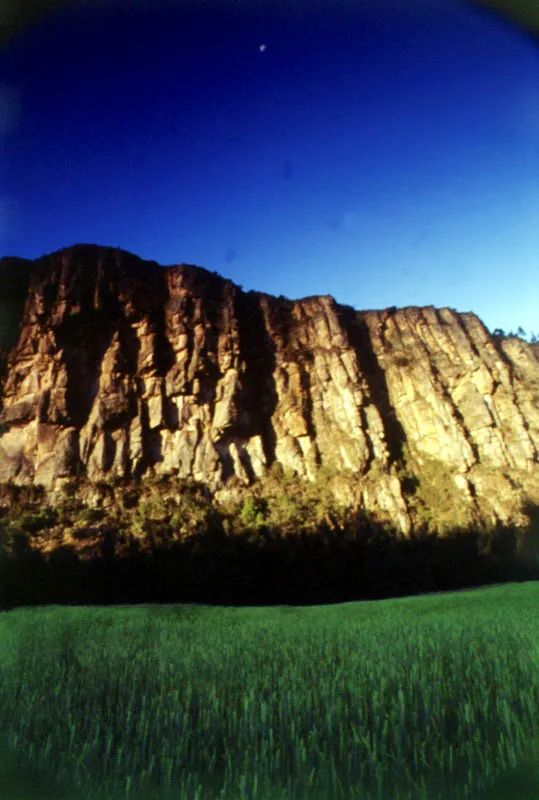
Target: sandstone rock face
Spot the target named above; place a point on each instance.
(111, 365)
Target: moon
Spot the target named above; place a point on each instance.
(262, 48)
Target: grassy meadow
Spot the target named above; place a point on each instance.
(418, 697)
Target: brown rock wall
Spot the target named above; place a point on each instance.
(117, 366)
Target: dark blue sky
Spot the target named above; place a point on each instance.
(383, 152)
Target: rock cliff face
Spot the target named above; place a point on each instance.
(110, 365)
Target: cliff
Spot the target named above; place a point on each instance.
(110, 365)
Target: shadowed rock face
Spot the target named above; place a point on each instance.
(111, 365)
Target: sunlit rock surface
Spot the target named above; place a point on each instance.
(110, 365)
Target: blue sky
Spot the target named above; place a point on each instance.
(383, 152)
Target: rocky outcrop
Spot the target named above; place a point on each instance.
(111, 365)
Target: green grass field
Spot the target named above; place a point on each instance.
(421, 697)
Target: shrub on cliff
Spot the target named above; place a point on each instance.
(194, 514)
(254, 512)
(33, 522)
(436, 502)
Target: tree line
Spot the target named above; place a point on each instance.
(255, 564)
(520, 334)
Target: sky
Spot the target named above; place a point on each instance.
(383, 152)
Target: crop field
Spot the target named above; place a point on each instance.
(420, 697)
